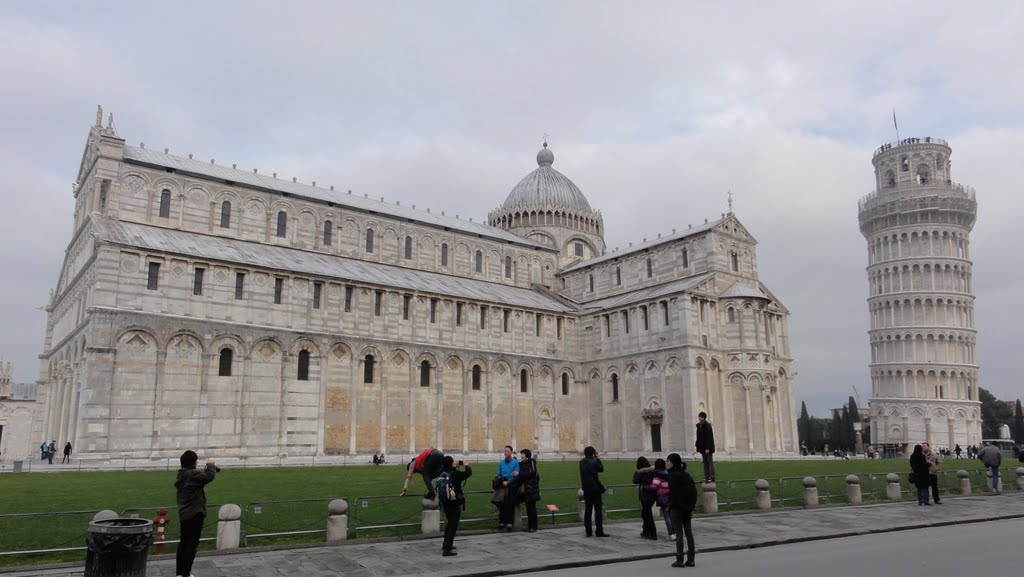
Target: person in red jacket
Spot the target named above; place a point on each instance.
(429, 463)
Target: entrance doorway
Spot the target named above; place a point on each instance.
(656, 438)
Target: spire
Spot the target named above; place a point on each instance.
(99, 116)
(730, 201)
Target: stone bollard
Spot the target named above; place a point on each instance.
(892, 487)
(517, 517)
(229, 527)
(810, 492)
(1020, 478)
(964, 481)
(581, 504)
(853, 495)
(988, 481)
(337, 521)
(431, 521)
(764, 495)
(710, 497)
(104, 515)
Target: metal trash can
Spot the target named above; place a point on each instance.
(118, 547)
(18, 465)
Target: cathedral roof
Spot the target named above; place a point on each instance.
(643, 246)
(740, 290)
(647, 294)
(546, 189)
(145, 156)
(320, 265)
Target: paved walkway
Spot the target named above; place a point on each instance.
(489, 554)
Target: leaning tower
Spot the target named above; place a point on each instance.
(924, 374)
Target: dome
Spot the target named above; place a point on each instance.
(546, 188)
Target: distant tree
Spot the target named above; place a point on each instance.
(804, 426)
(1018, 424)
(835, 431)
(854, 411)
(994, 413)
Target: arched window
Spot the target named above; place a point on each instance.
(476, 377)
(369, 240)
(577, 249)
(425, 374)
(615, 387)
(282, 224)
(165, 204)
(508, 267)
(479, 262)
(650, 268)
(565, 384)
(444, 254)
(735, 261)
(368, 362)
(303, 366)
(328, 233)
(591, 279)
(408, 247)
(890, 178)
(227, 356)
(225, 214)
(524, 381)
(731, 312)
(686, 258)
(618, 276)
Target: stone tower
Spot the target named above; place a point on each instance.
(917, 223)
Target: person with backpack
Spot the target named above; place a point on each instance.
(190, 494)
(452, 500)
(529, 487)
(659, 485)
(683, 500)
(642, 478)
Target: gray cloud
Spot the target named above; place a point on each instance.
(655, 111)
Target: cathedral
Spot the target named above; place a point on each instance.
(237, 313)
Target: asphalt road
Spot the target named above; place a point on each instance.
(990, 549)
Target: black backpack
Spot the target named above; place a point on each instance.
(445, 488)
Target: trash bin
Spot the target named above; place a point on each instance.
(118, 547)
(18, 465)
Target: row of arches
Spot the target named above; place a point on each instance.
(586, 224)
(921, 312)
(894, 246)
(937, 277)
(944, 348)
(925, 384)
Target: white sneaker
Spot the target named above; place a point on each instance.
(671, 537)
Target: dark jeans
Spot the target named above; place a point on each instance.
(934, 482)
(683, 519)
(452, 514)
(592, 508)
(49, 458)
(922, 495)
(507, 511)
(66, 459)
(709, 464)
(432, 469)
(190, 531)
(531, 514)
(647, 514)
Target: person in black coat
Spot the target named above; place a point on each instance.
(705, 445)
(590, 467)
(642, 478)
(919, 468)
(683, 500)
(529, 480)
(453, 509)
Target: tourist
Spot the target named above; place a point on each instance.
(44, 448)
(67, 453)
(452, 475)
(529, 487)
(683, 499)
(934, 466)
(429, 463)
(191, 498)
(590, 468)
(51, 451)
(508, 470)
(919, 473)
(661, 491)
(642, 478)
(992, 458)
(382, 460)
(376, 458)
(706, 446)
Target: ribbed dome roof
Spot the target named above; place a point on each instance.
(546, 188)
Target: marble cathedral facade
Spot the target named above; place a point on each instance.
(208, 307)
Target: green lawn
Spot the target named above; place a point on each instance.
(294, 499)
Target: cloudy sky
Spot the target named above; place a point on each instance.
(654, 109)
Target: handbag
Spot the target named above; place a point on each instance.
(521, 490)
(497, 482)
(498, 498)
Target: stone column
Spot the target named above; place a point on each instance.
(337, 521)
(710, 494)
(892, 487)
(853, 494)
(229, 527)
(964, 481)
(430, 523)
(1020, 478)
(764, 496)
(810, 492)
(580, 504)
